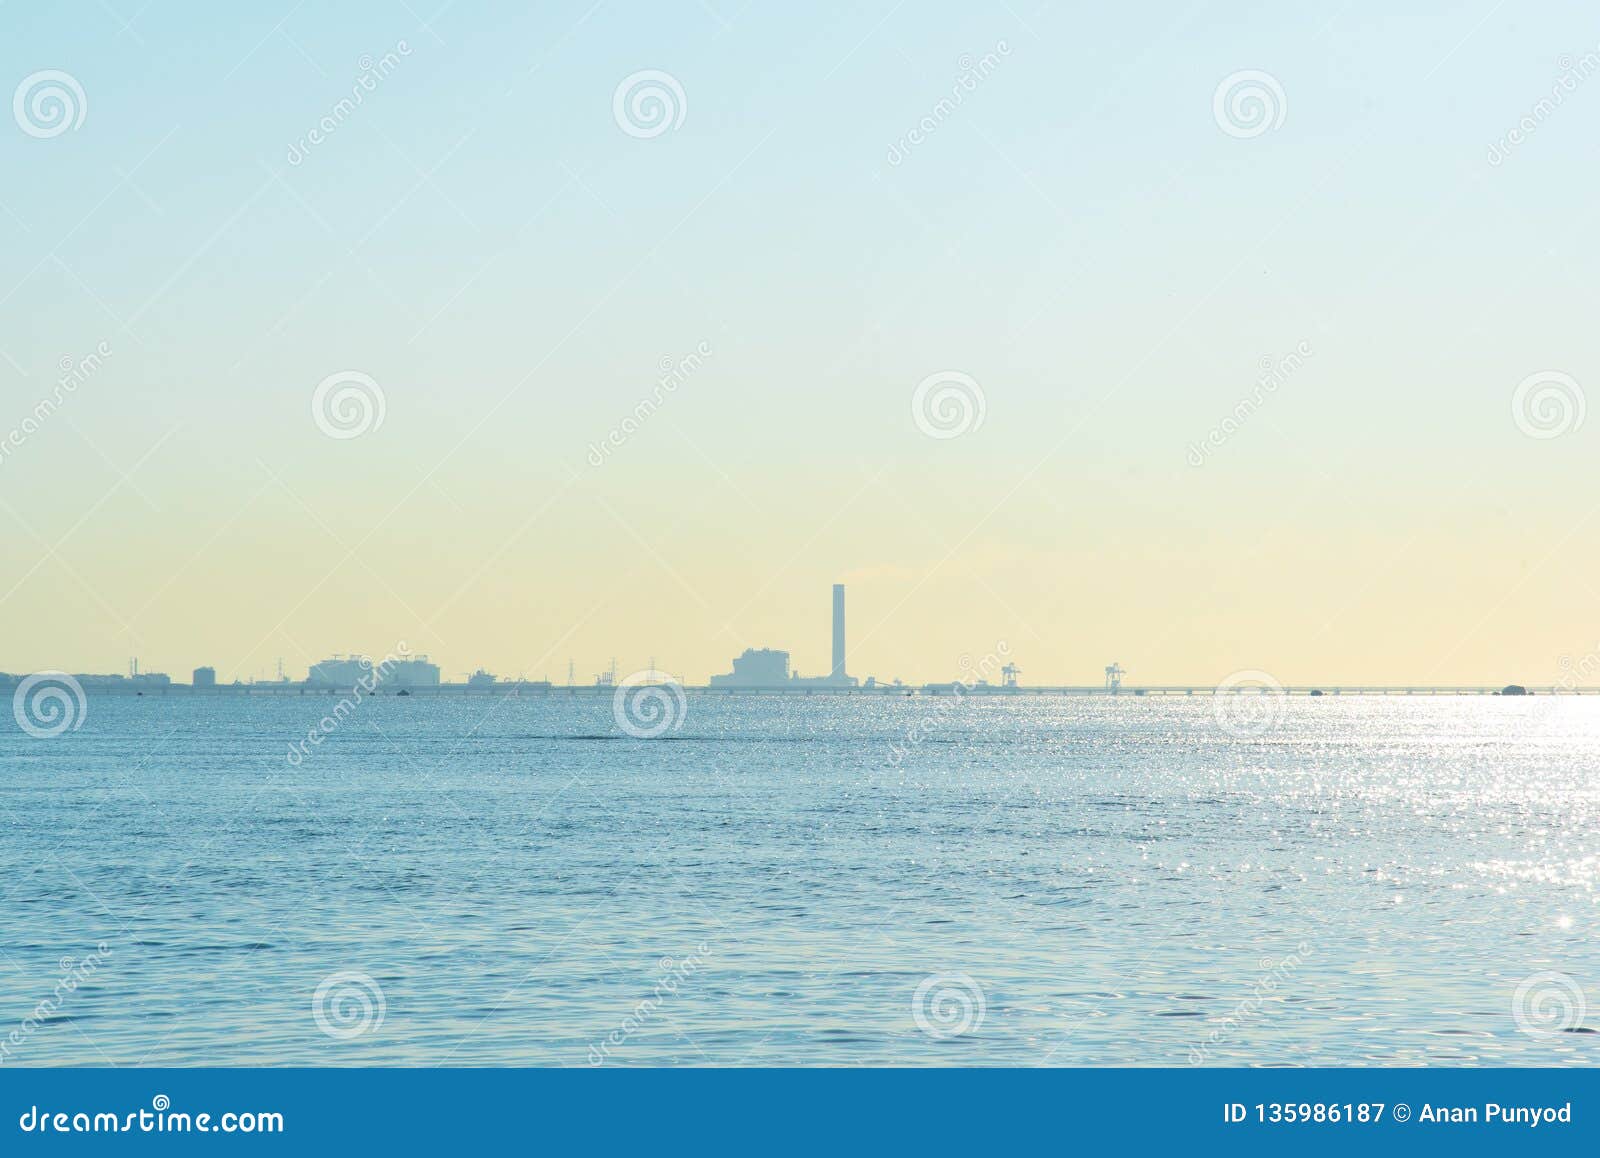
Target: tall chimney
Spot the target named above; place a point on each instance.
(838, 631)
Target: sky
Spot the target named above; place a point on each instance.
(1006, 316)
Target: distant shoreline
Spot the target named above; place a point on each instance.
(926, 691)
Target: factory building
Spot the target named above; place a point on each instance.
(763, 668)
(769, 668)
(343, 673)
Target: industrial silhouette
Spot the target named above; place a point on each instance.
(769, 668)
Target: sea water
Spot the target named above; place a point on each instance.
(811, 880)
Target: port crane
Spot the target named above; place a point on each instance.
(1010, 673)
(1114, 674)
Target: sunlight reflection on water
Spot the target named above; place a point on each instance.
(1062, 881)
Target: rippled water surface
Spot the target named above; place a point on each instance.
(794, 881)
